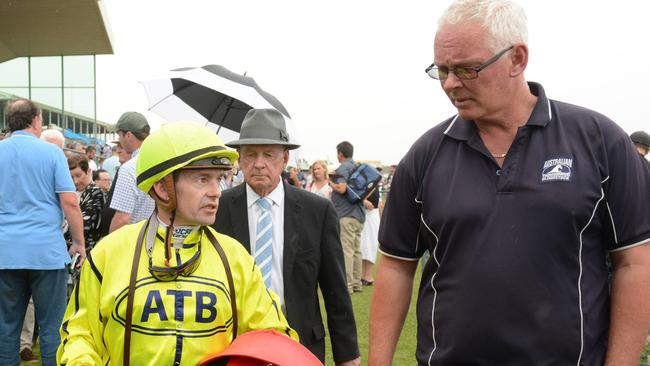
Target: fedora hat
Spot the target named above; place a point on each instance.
(263, 127)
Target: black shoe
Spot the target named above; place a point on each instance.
(367, 283)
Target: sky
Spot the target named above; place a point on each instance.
(354, 70)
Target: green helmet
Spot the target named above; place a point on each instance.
(180, 145)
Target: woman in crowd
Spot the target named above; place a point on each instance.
(320, 180)
(370, 236)
(91, 198)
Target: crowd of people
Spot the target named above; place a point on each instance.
(167, 246)
(324, 254)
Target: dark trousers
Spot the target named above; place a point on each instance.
(48, 290)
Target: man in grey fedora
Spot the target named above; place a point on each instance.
(293, 236)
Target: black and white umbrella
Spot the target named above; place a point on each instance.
(211, 94)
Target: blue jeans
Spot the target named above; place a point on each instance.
(48, 290)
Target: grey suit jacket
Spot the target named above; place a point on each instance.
(313, 257)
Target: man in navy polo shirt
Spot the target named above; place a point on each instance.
(518, 198)
(36, 190)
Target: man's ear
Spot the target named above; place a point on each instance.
(519, 59)
(160, 191)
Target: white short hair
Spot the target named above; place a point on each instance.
(53, 136)
(504, 20)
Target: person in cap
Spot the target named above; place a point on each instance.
(641, 140)
(131, 205)
(518, 198)
(293, 235)
(169, 290)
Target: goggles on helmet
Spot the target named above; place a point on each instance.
(169, 273)
(166, 274)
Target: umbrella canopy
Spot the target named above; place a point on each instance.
(210, 93)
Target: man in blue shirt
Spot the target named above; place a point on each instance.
(36, 190)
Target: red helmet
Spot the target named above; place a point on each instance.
(263, 348)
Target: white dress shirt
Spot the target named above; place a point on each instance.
(277, 214)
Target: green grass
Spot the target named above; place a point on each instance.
(645, 355)
(405, 353)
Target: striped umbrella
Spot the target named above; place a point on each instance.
(211, 94)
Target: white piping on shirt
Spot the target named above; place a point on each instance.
(550, 114)
(610, 214)
(435, 292)
(644, 241)
(450, 125)
(582, 320)
(417, 239)
(611, 218)
(398, 257)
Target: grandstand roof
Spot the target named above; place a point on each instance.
(53, 28)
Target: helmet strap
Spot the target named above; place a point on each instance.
(168, 204)
(169, 239)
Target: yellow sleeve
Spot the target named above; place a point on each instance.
(82, 329)
(259, 307)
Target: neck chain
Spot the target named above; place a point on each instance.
(499, 156)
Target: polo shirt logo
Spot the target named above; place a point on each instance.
(558, 169)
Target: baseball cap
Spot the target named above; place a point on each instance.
(641, 138)
(132, 121)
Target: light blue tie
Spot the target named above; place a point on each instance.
(264, 240)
